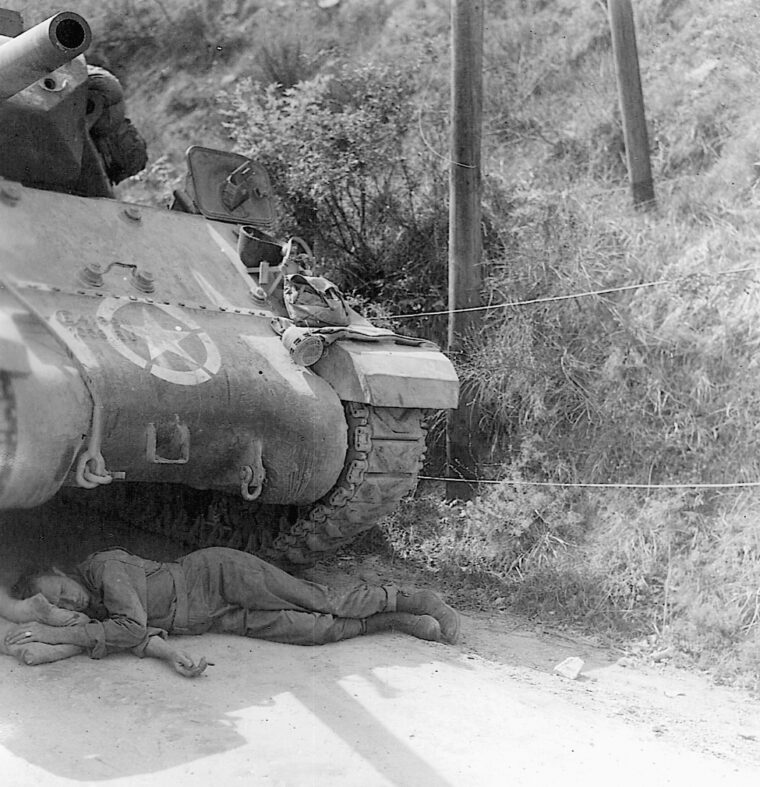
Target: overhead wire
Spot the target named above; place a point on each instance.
(570, 296)
(580, 484)
(584, 485)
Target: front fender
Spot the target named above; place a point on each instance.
(386, 374)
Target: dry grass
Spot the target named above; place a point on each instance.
(651, 386)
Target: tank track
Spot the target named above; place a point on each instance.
(386, 448)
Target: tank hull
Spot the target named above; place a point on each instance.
(186, 383)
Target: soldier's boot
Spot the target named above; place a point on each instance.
(420, 626)
(425, 602)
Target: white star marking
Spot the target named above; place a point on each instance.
(162, 340)
(162, 344)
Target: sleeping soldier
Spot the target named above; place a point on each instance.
(132, 603)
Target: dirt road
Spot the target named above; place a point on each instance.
(383, 710)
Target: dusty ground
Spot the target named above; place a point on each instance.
(385, 710)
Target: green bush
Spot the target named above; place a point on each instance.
(337, 149)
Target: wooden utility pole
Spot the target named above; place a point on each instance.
(631, 102)
(465, 187)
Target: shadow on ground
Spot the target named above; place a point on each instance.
(284, 705)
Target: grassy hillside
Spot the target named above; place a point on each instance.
(653, 385)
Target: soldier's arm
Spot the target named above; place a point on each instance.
(13, 609)
(37, 608)
(183, 663)
(25, 633)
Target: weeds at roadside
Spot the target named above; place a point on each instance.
(651, 573)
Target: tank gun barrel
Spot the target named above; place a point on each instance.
(40, 50)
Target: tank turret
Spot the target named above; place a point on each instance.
(45, 113)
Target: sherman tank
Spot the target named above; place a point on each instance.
(183, 367)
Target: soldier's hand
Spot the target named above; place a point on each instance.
(186, 665)
(25, 633)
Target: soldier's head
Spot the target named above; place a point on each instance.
(58, 588)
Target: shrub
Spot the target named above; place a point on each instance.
(348, 181)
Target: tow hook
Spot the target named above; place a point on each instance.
(91, 466)
(252, 476)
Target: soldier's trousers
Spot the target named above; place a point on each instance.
(239, 593)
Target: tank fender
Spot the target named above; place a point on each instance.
(389, 375)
